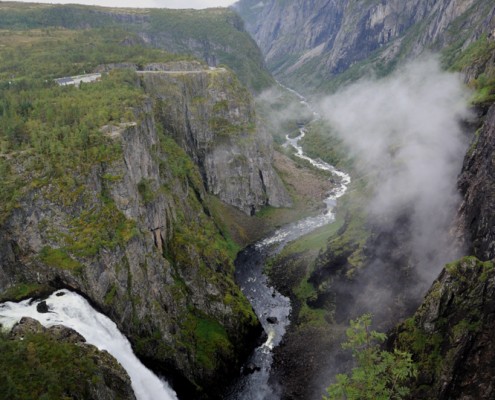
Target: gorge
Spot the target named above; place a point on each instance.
(139, 190)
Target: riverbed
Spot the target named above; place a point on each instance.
(272, 308)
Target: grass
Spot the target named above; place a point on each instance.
(477, 54)
(216, 34)
(59, 258)
(22, 291)
(208, 339)
(40, 367)
(316, 240)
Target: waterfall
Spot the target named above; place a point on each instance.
(73, 311)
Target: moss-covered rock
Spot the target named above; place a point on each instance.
(450, 336)
(56, 363)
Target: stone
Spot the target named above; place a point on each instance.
(332, 35)
(42, 307)
(250, 368)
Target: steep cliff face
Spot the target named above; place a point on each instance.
(451, 334)
(477, 183)
(306, 43)
(135, 233)
(219, 131)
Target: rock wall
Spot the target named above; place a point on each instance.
(212, 117)
(308, 42)
(136, 236)
(450, 336)
(477, 184)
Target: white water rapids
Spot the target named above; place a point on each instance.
(73, 311)
(307, 225)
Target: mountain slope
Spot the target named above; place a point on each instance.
(216, 36)
(321, 44)
(109, 188)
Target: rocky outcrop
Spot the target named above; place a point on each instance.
(305, 42)
(451, 334)
(109, 380)
(212, 117)
(135, 233)
(477, 183)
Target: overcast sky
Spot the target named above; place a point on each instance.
(145, 3)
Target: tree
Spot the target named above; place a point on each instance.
(379, 374)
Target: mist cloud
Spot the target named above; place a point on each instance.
(405, 132)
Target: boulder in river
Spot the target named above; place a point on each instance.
(272, 320)
(250, 368)
(42, 307)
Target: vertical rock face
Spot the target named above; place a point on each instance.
(136, 235)
(477, 184)
(451, 334)
(305, 42)
(212, 117)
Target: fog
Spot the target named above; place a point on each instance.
(405, 132)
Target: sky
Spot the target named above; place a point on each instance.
(198, 4)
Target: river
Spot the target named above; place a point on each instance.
(273, 309)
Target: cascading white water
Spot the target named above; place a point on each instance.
(307, 225)
(73, 311)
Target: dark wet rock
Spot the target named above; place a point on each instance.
(250, 368)
(25, 326)
(272, 320)
(451, 335)
(42, 307)
(477, 184)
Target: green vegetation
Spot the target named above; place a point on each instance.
(458, 268)
(23, 291)
(215, 34)
(40, 367)
(477, 54)
(47, 130)
(352, 237)
(208, 340)
(223, 27)
(379, 374)
(37, 16)
(97, 228)
(59, 258)
(48, 54)
(51, 131)
(438, 332)
(146, 191)
(320, 142)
